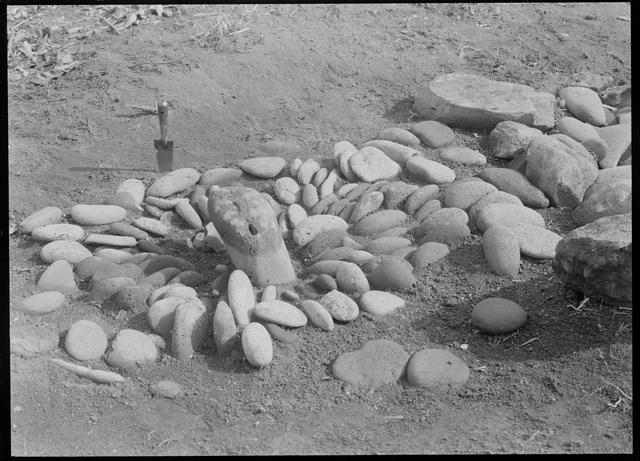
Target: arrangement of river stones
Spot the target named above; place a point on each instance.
(364, 220)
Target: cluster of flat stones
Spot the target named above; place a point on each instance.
(364, 221)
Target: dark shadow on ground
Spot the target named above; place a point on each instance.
(401, 111)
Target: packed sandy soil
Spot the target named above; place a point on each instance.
(315, 74)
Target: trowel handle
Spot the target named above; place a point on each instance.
(163, 116)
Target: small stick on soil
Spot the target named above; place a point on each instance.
(529, 341)
(619, 390)
(99, 376)
(394, 417)
(147, 110)
(111, 26)
(158, 63)
(580, 306)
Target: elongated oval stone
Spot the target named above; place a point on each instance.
(174, 182)
(280, 313)
(95, 215)
(60, 231)
(42, 217)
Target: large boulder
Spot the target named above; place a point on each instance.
(609, 195)
(596, 259)
(471, 101)
(559, 171)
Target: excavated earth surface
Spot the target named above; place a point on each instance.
(314, 74)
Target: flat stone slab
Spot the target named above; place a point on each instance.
(377, 363)
(436, 367)
(475, 102)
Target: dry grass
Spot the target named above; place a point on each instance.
(219, 26)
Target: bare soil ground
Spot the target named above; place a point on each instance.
(236, 75)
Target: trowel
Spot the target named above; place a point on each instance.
(164, 148)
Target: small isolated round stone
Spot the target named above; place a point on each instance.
(189, 214)
(42, 217)
(392, 273)
(224, 328)
(190, 329)
(130, 348)
(166, 389)
(60, 231)
(286, 190)
(498, 315)
(309, 195)
(428, 253)
(377, 363)
(58, 277)
(399, 135)
(126, 229)
(241, 297)
(85, 340)
(69, 250)
(507, 214)
(318, 316)
(380, 302)
(281, 313)
(257, 345)
(96, 215)
(306, 171)
(370, 164)
(324, 283)
(28, 340)
(351, 279)
(173, 182)
(219, 176)
(161, 314)
(536, 241)
(501, 250)
(295, 165)
(313, 226)
(429, 171)
(378, 222)
(340, 306)
(464, 194)
(463, 156)
(436, 367)
(133, 187)
(151, 225)
(432, 133)
(41, 303)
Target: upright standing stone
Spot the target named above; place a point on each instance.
(596, 259)
(248, 226)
